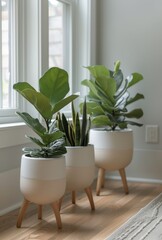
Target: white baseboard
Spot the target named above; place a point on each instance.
(10, 208)
(129, 179)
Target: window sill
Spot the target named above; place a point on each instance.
(13, 134)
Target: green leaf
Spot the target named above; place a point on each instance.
(134, 79)
(20, 86)
(77, 130)
(65, 127)
(51, 137)
(119, 78)
(98, 71)
(84, 123)
(93, 108)
(91, 85)
(107, 88)
(116, 66)
(62, 103)
(33, 123)
(36, 141)
(135, 123)
(54, 84)
(136, 113)
(137, 97)
(101, 121)
(38, 100)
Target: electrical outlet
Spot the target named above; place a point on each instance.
(151, 135)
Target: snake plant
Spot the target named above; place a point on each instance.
(76, 130)
(51, 97)
(109, 97)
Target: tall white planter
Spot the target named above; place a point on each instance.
(113, 151)
(42, 181)
(80, 167)
(80, 170)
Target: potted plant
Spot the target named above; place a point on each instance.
(80, 165)
(43, 176)
(108, 103)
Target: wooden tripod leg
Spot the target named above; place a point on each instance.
(124, 180)
(73, 197)
(103, 179)
(55, 207)
(90, 197)
(60, 203)
(100, 177)
(22, 211)
(39, 211)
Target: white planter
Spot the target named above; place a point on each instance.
(113, 149)
(80, 167)
(42, 181)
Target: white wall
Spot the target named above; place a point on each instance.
(131, 32)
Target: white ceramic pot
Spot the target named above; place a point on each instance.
(80, 167)
(43, 180)
(113, 149)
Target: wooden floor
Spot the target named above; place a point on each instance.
(113, 208)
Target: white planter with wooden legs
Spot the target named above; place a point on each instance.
(113, 151)
(42, 181)
(80, 171)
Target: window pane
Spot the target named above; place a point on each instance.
(6, 55)
(55, 33)
(60, 37)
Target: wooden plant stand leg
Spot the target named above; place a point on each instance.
(55, 207)
(39, 211)
(22, 211)
(60, 202)
(100, 177)
(90, 197)
(73, 197)
(124, 180)
(103, 179)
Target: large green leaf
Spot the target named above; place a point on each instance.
(92, 87)
(33, 123)
(54, 84)
(136, 113)
(62, 103)
(20, 86)
(51, 137)
(107, 88)
(92, 108)
(98, 71)
(101, 121)
(119, 78)
(37, 99)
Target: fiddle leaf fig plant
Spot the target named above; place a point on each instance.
(109, 97)
(51, 98)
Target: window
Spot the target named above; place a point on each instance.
(36, 35)
(8, 101)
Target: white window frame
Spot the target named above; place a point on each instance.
(34, 33)
(8, 115)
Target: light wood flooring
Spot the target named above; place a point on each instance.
(113, 208)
